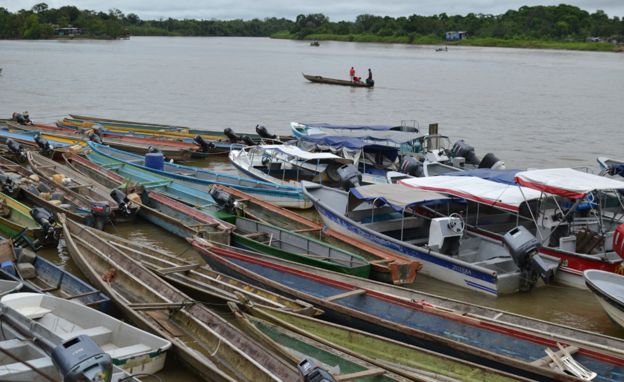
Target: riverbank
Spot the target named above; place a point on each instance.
(476, 41)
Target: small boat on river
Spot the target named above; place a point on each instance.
(510, 343)
(386, 265)
(609, 290)
(16, 222)
(334, 81)
(206, 343)
(199, 178)
(134, 350)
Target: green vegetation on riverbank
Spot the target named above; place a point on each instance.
(550, 27)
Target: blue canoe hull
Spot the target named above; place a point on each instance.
(506, 349)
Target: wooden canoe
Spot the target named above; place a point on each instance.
(211, 347)
(16, 222)
(284, 244)
(334, 81)
(386, 266)
(173, 216)
(194, 277)
(51, 279)
(295, 347)
(403, 359)
(364, 304)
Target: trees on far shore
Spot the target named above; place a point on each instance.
(560, 23)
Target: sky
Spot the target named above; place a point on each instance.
(335, 9)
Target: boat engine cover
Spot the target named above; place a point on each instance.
(412, 166)
(81, 359)
(349, 176)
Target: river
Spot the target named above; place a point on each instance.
(532, 108)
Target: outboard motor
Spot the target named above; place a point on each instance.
(7, 184)
(412, 166)
(523, 247)
(45, 219)
(44, 146)
(81, 359)
(491, 161)
(349, 176)
(94, 137)
(223, 199)
(17, 150)
(310, 372)
(264, 133)
(228, 132)
(101, 212)
(203, 145)
(248, 141)
(463, 149)
(122, 200)
(152, 149)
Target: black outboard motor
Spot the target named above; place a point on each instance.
(44, 146)
(7, 184)
(223, 199)
(463, 149)
(523, 247)
(231, 135)
(203, 145)
(264, 133)
(248, 141)
(491, 161)
(122, 200)
(411, 166)
(94, 137)
(45, 219)
(153, 149)
(17, 150)
(81, 359)
(310, 372)
(101, 212)
(349, 176)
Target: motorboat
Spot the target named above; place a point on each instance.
(609, 290)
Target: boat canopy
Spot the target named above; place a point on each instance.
(498, 176)
(296, 152)
(395, 196)
(567, 182)
(373, 133)
(352, 127)
(503, 196)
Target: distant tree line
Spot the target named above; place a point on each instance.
(561, 22)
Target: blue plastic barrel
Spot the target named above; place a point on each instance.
(8, 267)
(155, 161)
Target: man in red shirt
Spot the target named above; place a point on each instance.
(352, 73)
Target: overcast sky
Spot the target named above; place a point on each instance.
(335, 9)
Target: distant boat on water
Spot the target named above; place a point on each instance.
(334, 81)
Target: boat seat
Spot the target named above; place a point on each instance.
(96, 333)
(33, 312)
(124, 352)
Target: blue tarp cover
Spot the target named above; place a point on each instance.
(396, 196)
(353, 127)
(499, 176)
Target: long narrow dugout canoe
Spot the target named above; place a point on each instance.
(210, 346)
(194, 277)
(403, 359)
(281, 243)
(295, 347)
(202, 179)
(334, 81)
(51, 279)
(370, 306)
(153, 182)
(173, 216)
(16, 222)
(386, 266)
(74, 181)
(44, 192)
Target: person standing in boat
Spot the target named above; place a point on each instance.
(369, 80)
(352, 73)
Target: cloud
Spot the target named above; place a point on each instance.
(336, 10)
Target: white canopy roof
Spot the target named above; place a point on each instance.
(505, 196)
(296, 152)
(566, 182)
